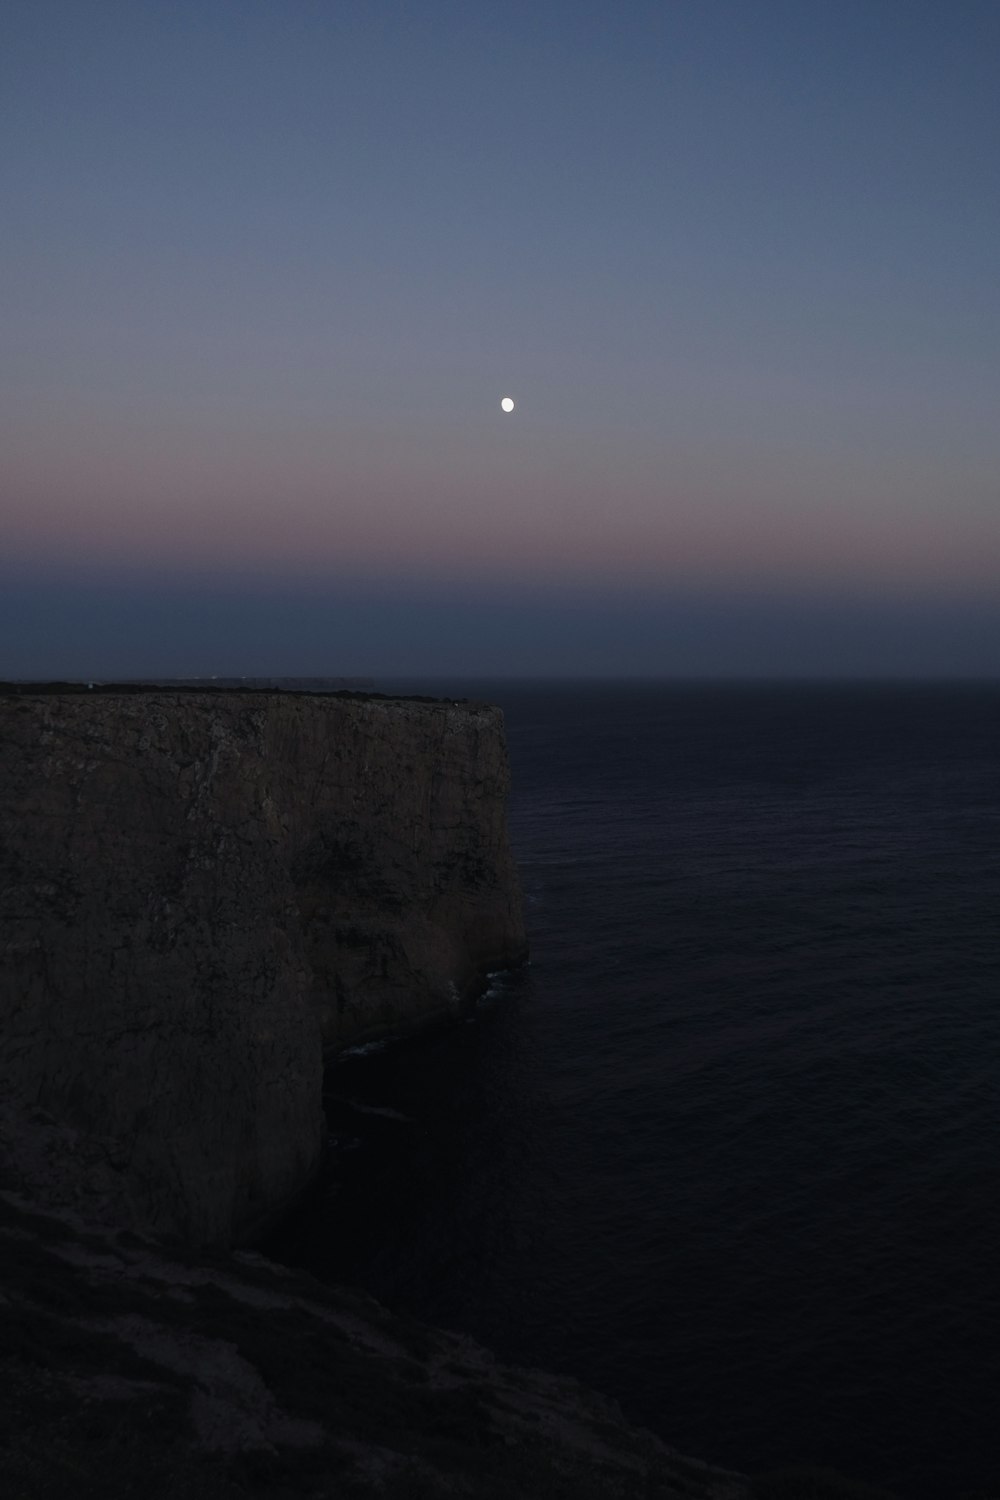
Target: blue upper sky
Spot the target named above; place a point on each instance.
(269, 268)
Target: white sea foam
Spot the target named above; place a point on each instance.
(363, 1049)
(372, 1109)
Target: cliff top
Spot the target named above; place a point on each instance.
(228, 685)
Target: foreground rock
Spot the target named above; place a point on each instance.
(199, 893)
(131, 1370)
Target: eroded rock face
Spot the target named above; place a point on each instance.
(198, 893)
(127, 1368)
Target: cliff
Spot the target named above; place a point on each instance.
(200, 893)
(128, 1369)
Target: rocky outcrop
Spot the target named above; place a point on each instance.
(199, 893)
(127, 1369)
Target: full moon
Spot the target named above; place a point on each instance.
(507, 404)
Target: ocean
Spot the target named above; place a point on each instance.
(728, 1148)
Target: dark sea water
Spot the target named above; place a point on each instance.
(729, 1148)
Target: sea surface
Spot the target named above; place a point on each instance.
(728, 1149)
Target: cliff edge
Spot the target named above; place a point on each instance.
(200, 893)
(127, 1369)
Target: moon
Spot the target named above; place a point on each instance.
(507, 404)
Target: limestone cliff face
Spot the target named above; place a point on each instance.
(201, 891)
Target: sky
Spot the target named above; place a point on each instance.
(268, 269)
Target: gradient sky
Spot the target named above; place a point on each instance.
(269, 267)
